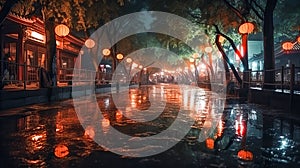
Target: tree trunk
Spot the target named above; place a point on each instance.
(268, 32)
(51, 49)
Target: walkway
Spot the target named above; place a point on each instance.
(51, 135)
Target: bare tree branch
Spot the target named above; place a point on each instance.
(258, 6)
(236, 11)
(256, 11)
(232, 45)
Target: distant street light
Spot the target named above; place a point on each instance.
(192, 60)
(128, 60)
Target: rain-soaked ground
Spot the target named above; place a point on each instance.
(238, 135)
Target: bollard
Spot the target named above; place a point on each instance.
(282, 78)
(292, 81)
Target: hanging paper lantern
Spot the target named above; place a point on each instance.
(246, 28)
(120, 56)
(89, 43)
(245, 155)
(105, 52)
(62, 30)
(61, 151)
(287, 45)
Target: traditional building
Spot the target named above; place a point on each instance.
(22, 45)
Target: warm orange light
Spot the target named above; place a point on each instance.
(105, 122)
(37, 36)
(245, 155)
(89, 132)
(119, 116)
(62, 30)
(105, 52)
(195, 55)
(89, 43)
(61, 151)
(298, 39)
(208, 49)
(192, 60)
(210, 143)
(287, 45)
(129, 60)
(141, 66)
(120, 56)
(36, 137)
(220, 128)
(246, 28)
(221, 39)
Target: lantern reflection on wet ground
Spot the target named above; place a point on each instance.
(61, 151)
(273, 138)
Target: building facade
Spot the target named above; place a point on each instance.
(23, 50)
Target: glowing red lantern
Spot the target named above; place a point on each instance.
(287, 45)
(61, 151)
(245, 155)
(210, 143)
(62, 30)
(246, 28)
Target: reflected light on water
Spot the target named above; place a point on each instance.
(36, 137)
(119, 116)
(245, 155)
(105, 125)
(61, 151)
(220, 128)
(89, 132)
(59, 127)
(240, 127)
(210, 143)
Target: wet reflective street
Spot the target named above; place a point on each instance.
(237, 135)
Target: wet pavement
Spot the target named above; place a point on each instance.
(238, 135)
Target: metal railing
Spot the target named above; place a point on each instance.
(22, 76)
(287, 79)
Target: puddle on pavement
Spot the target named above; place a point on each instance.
(242, 137)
